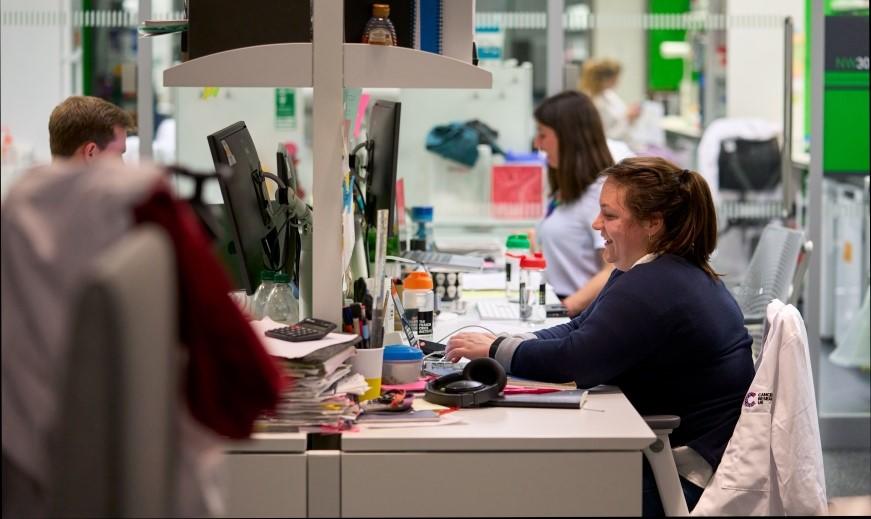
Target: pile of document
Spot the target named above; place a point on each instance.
(323, 389)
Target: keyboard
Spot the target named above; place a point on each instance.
(442, 259)
(498, 310)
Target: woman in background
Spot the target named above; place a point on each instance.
(598, 79)
(569, 132)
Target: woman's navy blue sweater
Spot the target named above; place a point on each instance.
(670, 337)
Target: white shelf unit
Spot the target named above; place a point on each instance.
(328, 65)
(262, 66)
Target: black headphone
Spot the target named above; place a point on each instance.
(480, 381)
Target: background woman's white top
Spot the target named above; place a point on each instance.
(570, 245)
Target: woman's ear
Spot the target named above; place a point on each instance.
(653, 225)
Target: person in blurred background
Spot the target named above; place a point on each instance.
(598, 80)
(83, 128)
(569, 131)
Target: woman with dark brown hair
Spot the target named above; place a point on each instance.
(569, 132)
(664, 328)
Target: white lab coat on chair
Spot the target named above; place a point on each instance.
(773, 465)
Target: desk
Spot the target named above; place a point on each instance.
(497, 462)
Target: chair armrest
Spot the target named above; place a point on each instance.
(662, 421)
(753, 319)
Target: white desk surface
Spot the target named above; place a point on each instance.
(607, 422)
(270, 442)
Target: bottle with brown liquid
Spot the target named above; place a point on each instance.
(379, 29)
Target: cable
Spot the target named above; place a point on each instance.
(463, 328)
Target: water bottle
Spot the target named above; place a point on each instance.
(280, 305)
(516, 247)
(379, 29)
(422, 235)
(418, 299)
(532, 289)
(262, 293)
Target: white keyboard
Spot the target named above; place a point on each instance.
(498, 310)
(441, 259)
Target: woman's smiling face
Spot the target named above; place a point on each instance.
(626, 238)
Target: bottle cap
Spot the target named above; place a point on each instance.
(266, 275)
(517, 241)
(381, 10)
(281, 277)
(421, 213)
(418, 280)
(532, 262)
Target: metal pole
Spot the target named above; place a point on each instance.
(144, 89)
(555, 46)
(786, 169)
(813, 315)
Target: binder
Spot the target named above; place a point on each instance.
(430, 17)
(458, 29)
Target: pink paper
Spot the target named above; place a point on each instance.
(361, 111)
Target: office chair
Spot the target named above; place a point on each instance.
(749, 170)
(771, 275)
(116, 445)
(794, 483)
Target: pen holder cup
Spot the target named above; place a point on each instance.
(369, 363)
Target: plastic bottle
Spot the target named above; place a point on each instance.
(280, 305)
(516, 247)
(418, 299)
(262, 293)
(532, 289)
(379, 29)
(422, 236)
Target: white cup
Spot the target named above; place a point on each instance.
(369, 363)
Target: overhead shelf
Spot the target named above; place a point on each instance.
(400, 67)
(290, 65)
(274, 65)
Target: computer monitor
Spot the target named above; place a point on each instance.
(255, 238)
(383, 149)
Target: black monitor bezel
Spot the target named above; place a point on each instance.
(250, 267)
(380, 180)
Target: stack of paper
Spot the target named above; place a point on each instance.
(323, 390)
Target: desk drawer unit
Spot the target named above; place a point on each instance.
(468, 484)
(266, 485)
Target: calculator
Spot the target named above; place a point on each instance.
(309, 329)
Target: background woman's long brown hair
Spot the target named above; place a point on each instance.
(583, 150)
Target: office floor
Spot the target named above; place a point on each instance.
(842, 390)
(848, 472)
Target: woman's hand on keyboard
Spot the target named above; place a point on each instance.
(471, 345)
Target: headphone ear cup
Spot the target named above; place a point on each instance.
(487, 371)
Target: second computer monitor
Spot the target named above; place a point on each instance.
(384, 146)
(244, 200)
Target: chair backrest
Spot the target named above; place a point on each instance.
(749, 165)
(804, 258)
(771, 271)
(116, 442)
